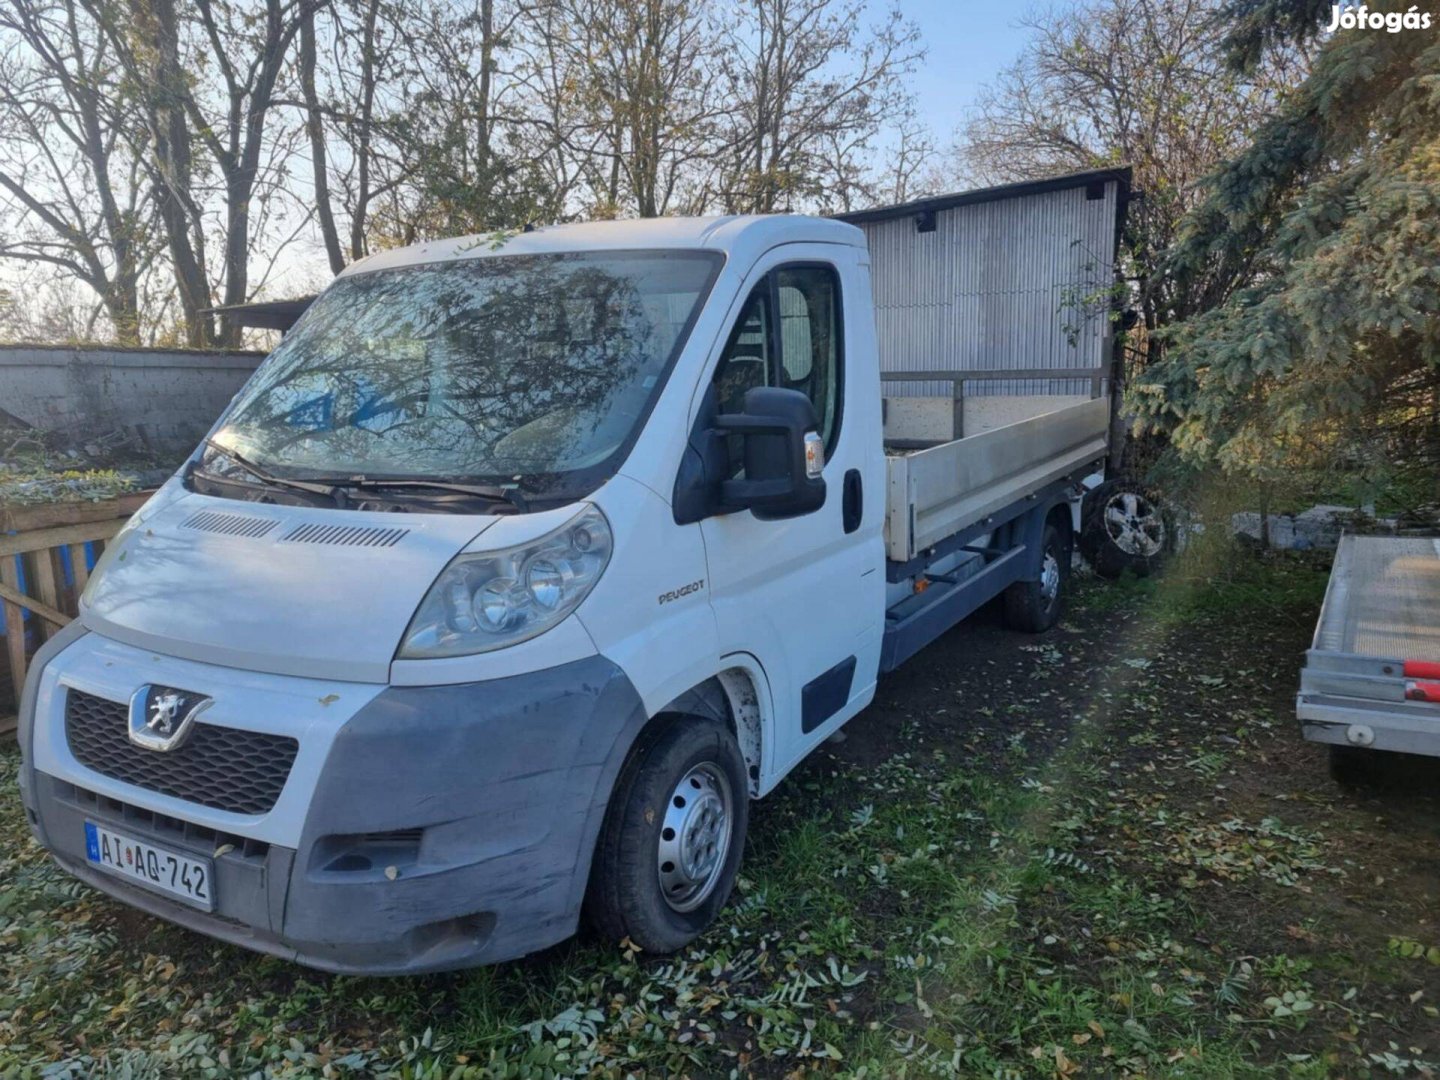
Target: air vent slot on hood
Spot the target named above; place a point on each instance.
(228, 524)
(344, 535)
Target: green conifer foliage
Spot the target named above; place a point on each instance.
(1328, 351)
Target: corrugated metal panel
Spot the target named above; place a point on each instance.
(996, 285)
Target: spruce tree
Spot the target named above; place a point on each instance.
(1324, 235)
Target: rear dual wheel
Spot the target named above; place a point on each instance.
(670, 847)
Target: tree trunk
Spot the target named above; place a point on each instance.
(323, 212)
(363, 136)
(171, 171)
(487, 54)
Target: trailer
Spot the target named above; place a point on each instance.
(1371, 680)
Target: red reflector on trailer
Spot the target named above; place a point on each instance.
(1423, 691)
(1422, 669)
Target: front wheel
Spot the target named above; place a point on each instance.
(670, 848)
(1036, 606)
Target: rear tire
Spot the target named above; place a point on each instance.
(1036, 606)
(670, 848)
(1352, 766)
(1125, 526)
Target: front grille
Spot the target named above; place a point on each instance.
(167, 829)
(223, 768)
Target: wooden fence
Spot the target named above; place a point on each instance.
(44, 565)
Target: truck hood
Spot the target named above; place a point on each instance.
(291, 590)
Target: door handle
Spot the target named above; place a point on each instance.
(854, 501)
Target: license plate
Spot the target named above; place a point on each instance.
(153, 867)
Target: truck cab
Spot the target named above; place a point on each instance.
(515, 572)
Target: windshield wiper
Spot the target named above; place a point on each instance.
(334, 487)
(268, 477)
(489, 492)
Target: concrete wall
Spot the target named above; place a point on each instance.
(169, 397)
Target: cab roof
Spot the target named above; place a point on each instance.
(745, 237)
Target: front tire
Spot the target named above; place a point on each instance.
(1036, 606)
(670, 848)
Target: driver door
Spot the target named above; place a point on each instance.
(804, 595)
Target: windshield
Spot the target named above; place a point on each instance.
(534, 369)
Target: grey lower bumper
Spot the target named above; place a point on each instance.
(452, 826)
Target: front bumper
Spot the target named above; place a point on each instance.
(445, 827)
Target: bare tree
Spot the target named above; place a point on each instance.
(646, 96)
(355, 73)
(249, 53)
(1134, 82)
(166, 153)
(1141, 83)
(806, 75)
(69, 167)
(908, 168)
(146, 37)
(854, 173)
(371, 64)
(315, 130)
(458, 128)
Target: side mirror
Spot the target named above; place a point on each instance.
(783, 454)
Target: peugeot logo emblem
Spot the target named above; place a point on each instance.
(161, 716)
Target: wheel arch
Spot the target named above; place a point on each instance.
(1064, 514)
(732, 697)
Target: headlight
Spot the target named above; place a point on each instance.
(491, 599)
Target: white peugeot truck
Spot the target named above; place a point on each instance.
(513, 574)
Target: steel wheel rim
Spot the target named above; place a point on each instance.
(695, 837)
(1134, 524)
(1050, 578)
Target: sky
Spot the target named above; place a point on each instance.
(969, 42)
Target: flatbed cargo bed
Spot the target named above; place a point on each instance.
(937, 492)
(1372, 675)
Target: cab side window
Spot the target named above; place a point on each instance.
(810, 341)
(746, 361)
(788, 335)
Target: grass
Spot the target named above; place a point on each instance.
(1102, 853)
